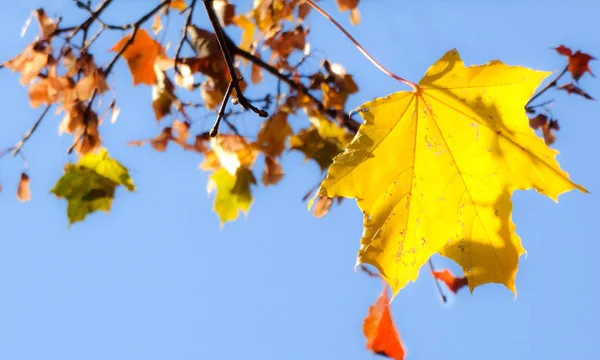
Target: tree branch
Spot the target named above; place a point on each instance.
(188, 23)
(222, 40)
(346, 120)
(19, 146)
(547, 87)
(215, 129)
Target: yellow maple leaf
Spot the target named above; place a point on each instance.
(433, 171)
(248, 30)
(233, 192)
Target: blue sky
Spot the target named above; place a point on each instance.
(158, 278)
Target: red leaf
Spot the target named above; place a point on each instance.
(378, 327)
(563, 50)
(578, 64)
(572, 89)
(453, 283)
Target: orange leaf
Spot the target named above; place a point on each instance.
(453, 283)
(140, 56)
(178, 5)
(378, 327)
(23, 192)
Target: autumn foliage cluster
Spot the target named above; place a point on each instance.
(488, 112)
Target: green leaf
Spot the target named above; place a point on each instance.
(89, 185)
(233, 192)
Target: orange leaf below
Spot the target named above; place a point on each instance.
(453, 283)
(380, 331)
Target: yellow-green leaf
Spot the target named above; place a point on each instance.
(433, 171)
(320, 142)
(233, 192)
(89, 185)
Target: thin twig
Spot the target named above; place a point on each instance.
(87, 23)
(188, 23)
(369, 273)
(221, 39)
(550, 85)
(6, 151)
(437, 283)
(30, 132)
(347, 121)
(360, 48)
(215, 129)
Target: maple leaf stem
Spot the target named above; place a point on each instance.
(221, 39)
(437, 283)
(17, 149)
(215, 129)
(361, 48)
(547, 87)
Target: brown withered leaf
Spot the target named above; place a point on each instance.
(140, 56)
(201, 142)
(350, 5)
(159, 143)
(87, 138)
(336, 86)
(94, 80)
(162, 95)
(273, 134)
(47, 25)
(269, 13)
(23, 190)
(225, 11)
(211, 94)
(70, 61)
(323, 204)
(547, 126)
(572, 89)
(204, 43)
(256, 72)
(73, 120)
(51, 90)
(182, 128)
(303, 11)
(283, 43)
(273, 172)
(31, 61)
(230, 152)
